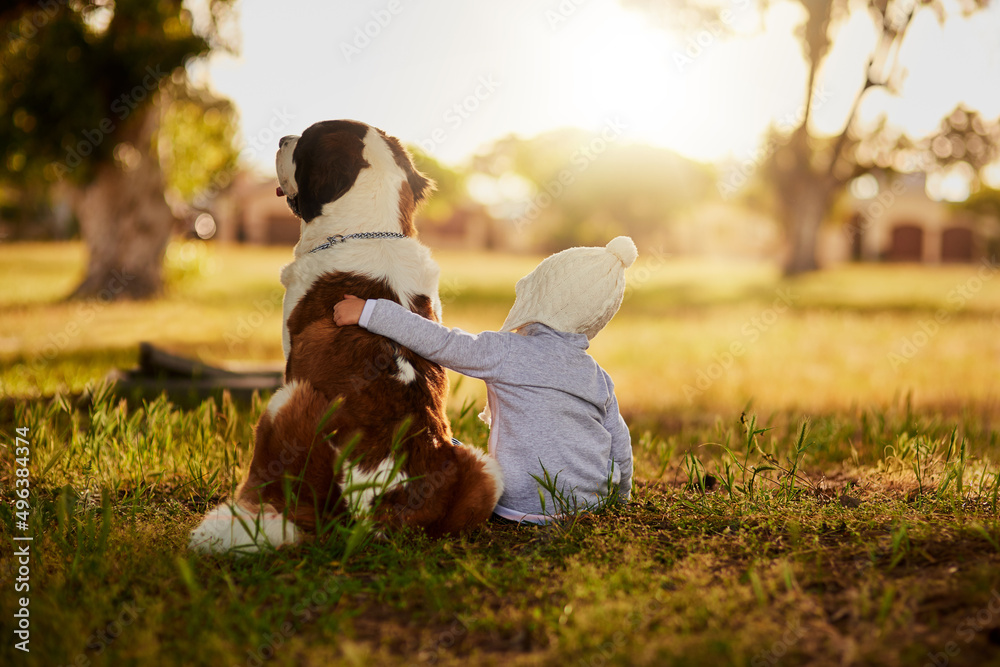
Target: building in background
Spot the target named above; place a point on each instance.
(249, 211)
(890, 218)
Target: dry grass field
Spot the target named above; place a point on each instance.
(691, 335)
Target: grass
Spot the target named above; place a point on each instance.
(758, 565)
(848, 517)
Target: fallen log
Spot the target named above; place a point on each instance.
(185, 379)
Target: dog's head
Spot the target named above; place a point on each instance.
(347, 168)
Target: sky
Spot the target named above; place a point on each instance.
(454, 75)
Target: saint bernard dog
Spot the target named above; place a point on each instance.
(359, 427)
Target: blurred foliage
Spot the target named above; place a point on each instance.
(985, 201)
(72, 73)
(583, 188)
(197, 140)
(449, 186)
(964, 137)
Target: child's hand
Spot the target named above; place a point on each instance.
(348, 311)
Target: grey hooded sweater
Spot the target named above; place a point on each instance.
(552, 405)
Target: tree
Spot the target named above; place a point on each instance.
(197, 144)
(81, 103)
(808, 172)
(584, 187)
(449, 186)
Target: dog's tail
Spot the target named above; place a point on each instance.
(239, 528)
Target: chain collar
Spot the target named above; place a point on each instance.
(340, 238)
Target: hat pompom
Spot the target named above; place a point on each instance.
(624, 249)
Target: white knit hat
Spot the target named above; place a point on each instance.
(577, 290)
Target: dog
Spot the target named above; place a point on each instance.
(359, 428)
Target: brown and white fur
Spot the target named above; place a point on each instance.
(345, 177)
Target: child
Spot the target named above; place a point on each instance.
(549, 403)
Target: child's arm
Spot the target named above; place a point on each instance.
(621, 448)
(479, 356)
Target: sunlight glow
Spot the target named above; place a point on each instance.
(991, 175)
(618, 65)
(952, 184)
(706, 94)
(864, 187)
(204, 226)
(507, 188)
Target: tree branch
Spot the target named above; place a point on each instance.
(889, 37)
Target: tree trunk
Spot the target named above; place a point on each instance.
(804, 216)
(805, 194)
(124, 218)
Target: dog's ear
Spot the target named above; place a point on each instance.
(420, 185)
